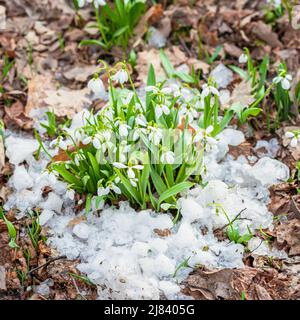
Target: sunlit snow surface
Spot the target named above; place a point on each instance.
(120, 252)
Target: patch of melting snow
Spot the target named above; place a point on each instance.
(119, 250)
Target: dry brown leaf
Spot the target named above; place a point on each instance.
(2, 153)
(229, 284)
(4, 192)
(162, 232)
(288, 236)
(80, 73)
(144, 59)
(264, 32)
(241, 94)
(76, 221)
(65, 102)
(2, 278)
(36, 91)
(14, 114)
(2, 18)
(150, 17)
(232, 49)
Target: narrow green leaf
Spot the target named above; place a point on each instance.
(174, 191)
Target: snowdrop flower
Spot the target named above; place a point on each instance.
(130, 172)
(141, 120)
(155, 135)
(189, 111)
(96, 143)
(168, 157)
(70, 194)
(123, 129)
(243, 58)
(115, 188)
(206, 90)
(161, 109)
(101, 191)
(121, 76)
(62, 144)
(284, 80)
(97, 3)
(97, 87)
(154, 89)
(87, 140)
(294, 138)
(204, 134)
(128, 98)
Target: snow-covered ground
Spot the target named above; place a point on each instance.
(118, 247)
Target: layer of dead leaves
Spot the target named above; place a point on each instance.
(232, 284)
(44, 263)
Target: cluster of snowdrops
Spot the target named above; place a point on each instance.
(144, 147)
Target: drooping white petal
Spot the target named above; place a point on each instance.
(285, 84)
(130, 173)
(103, 191)
(97, 87)
(62, 144)
(243, 58)
(87, 140)
(116, 189)
(289, 134)
(138, 167)
(294, 142)
(96, 143)
(119, 165)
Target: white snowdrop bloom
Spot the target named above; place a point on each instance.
(204, 134)
(87, 140)
(121, 76)
(115, 188)
(152, 88)
(155, 135)
(188, 111)
(141, 120)
(206, 90)
(97, 87)
(62, 144)
(101, 191)
(243, 58)
(294, 138)
(131, 174)
(176, 90)
(96, 143)
(128, 98)
(123, 129)
(81, 3)
(119, 165)
(97, 3)
(284, 80)
(168, 157)
(161, 109)
(133, 182)
(70, 194)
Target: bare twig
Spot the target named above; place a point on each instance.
(235, 218)
(45, 264)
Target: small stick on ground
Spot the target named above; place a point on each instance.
(45, 264)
